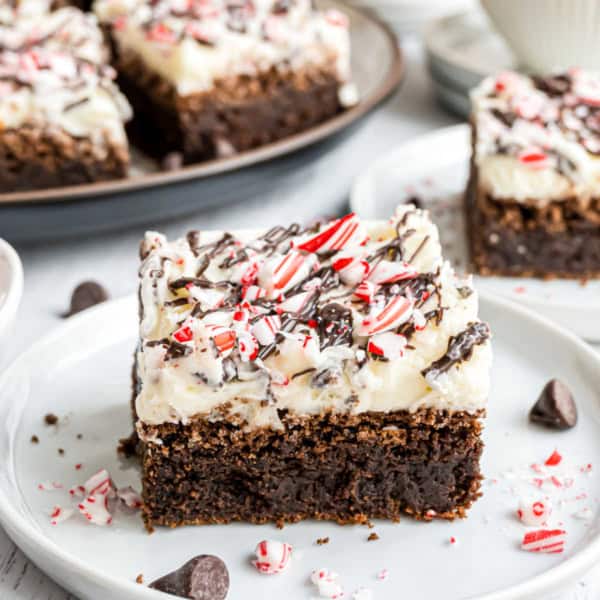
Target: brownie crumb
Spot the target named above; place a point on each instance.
(61, 451)
(322, 541)
(51, 419)
(35, 439)
(139, 578)
(79, 436)
(373, 537)
(370, 525)
(86, 295)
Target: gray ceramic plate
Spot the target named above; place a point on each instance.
(152, 195)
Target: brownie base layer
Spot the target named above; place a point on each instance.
(345, 468)
(510, 238)
(32, 158)
(240, 113)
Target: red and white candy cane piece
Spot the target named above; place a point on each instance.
(366, 291)
(98, 484)
(295, 304)
(327, 583)
(352, 269)
(419, 320)
(129, 497)
(264, 329)
(548, 541)
(254, 292)
(534, 513)
(60, 514)
(245, 272)
(338, 235)
(247, 346)
(240, 318)
(161, 34)
(223, 338)
(387, 345)
(387, 271)
(184, 334)
(272, 557)
(289, 270)
(528, 105)
(396, 312)
(95, 509)
(534, 158)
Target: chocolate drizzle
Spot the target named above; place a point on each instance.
(460, 348)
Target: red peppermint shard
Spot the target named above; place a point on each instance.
(223, 338)
(337, 236)
(184, 334)
(396, 312)
(554, 459)
(366, 291)
(284, 272)
(390, 272)
(547, 541)
(264, 329)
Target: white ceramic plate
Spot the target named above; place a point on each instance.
(435, 168)
(406, 16)
(462, 49)
(11, 285)
(81, 373)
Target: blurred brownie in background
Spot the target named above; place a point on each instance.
(209, 78)
(61, 114)
(534, 192)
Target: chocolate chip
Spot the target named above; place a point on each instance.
(172, 161)
(204, 577)
(416, 201)
(555, 408)
(85, 295)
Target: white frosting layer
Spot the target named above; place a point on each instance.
(537, 143)
(178, 389)
(193, 44)
(53, 73)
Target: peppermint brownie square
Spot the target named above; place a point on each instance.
(210, 78)
(61, 114)
(534, 192)
(337, 372)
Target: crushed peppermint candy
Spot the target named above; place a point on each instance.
(534, 513)
(60, 514)
(327, 584)
(547, 541)
(272, 557)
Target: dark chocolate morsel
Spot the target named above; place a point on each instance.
(555, 408)
(204, 577)
(171, 161)
(86, 294)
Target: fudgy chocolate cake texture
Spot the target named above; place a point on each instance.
(212, 78)
(335, 372)
(533, 199)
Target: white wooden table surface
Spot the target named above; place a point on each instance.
(52, 270)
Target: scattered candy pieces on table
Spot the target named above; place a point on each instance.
(204, 577)
(272, 557)
(555, 408)
(548, 541)
(534, 513)
(383, 574)
(95, 499)
(327, 583)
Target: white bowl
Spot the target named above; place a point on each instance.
(549, 35)
(11, 285)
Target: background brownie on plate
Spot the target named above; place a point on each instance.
(209, 78)
(338, 372)
(534, 191)
(61, 115)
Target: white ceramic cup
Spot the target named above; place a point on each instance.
(549, 35)
(11, 287)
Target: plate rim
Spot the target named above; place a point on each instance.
(390, 82)
(26, 536)
(359, 196)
